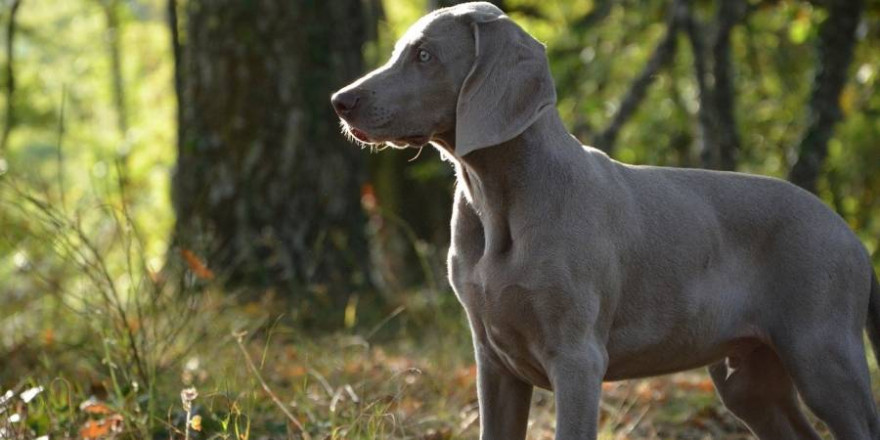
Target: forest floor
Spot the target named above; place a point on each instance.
(250, 373)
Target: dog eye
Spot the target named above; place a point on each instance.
(424, 55)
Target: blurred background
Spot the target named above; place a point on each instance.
(179, 209)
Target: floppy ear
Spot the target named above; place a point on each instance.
(507, 89)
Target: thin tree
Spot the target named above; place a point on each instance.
(834, 54)
(713, 69)
(10, 75)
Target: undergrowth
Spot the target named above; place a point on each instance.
(98, 342)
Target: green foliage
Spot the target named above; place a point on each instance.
(62, 68)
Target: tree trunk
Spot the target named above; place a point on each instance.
(713, 68)
(729, 13)
(114, 50)
(266, 189)
(837, 39)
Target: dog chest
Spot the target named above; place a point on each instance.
(522, 315)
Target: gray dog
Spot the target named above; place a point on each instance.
(574, 268)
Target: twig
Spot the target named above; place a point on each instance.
(59, 151)
(323, 381)
(239, 336)
(384, 321)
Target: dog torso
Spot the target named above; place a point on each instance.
(670, 268)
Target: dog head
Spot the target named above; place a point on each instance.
(466, 73)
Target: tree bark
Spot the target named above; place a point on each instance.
(176, 57)
(708, 135)
(837, 40)
(266, 188)
(713, 69)
(730, 12)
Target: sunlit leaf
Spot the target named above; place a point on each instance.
(800, 29)
(351, 311)
(196, 423)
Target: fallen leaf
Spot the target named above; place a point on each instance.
(296, 371)
(97, 429)
(434, 434)
(48, 336)
(199, 268)
(409, 405)
(704, 385)
(466, 376)
(368, 197)
(95, 406)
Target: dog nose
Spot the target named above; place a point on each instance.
(344, 101)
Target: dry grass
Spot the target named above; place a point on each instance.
(339, 386)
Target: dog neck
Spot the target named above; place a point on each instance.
(501, 181)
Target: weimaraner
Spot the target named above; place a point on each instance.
(574, 268)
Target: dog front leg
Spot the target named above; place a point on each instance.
(577, 383)
(504, 401)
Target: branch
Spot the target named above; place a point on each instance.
(837, 40)
(10, 75)
(662, 55)
(719, 137)
(601, 9)
(730, 12)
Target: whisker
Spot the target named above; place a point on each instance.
(419, 153)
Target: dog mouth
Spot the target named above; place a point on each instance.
(359, 135)
(414, 141)
(397, 142)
